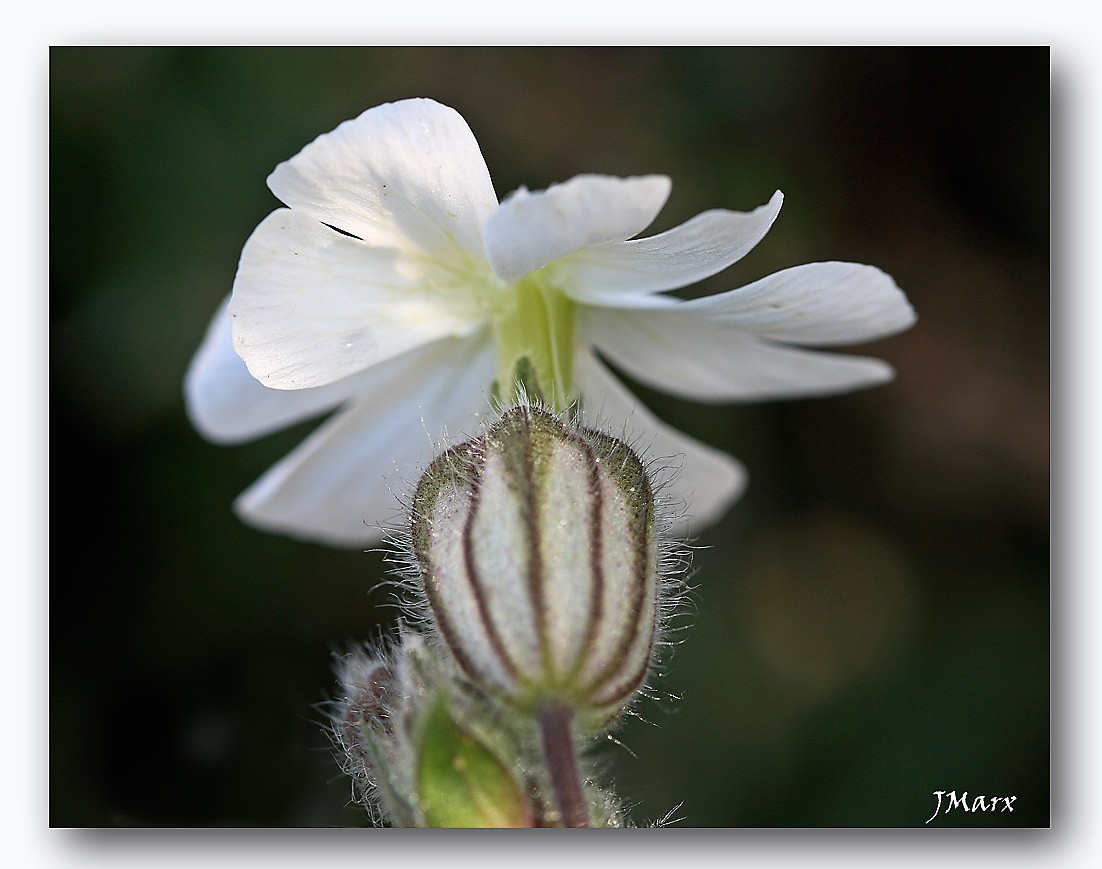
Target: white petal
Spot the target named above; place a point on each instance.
(311, 306)
(827, 303)
(336, 487)
(226, 404)
(529, 230)
(706, 481)
(701, 247)
(407, 174)
(685, 353)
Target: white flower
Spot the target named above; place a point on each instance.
(395, 289)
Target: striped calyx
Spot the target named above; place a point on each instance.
(537, 551)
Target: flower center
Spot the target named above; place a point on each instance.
(533, 331)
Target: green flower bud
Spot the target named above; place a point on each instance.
(460, 780)
(421, 752)
(379, 692)
(537, 550)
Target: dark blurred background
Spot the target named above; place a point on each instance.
(872, 619)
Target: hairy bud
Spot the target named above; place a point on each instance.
(419, 753)
(537, 551)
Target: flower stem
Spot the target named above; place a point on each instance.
(537, 324)
(561, 762)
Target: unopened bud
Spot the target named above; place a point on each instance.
(378, 694)
(537, 550)
(366, 682)
(419, 752)
(461, 782)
